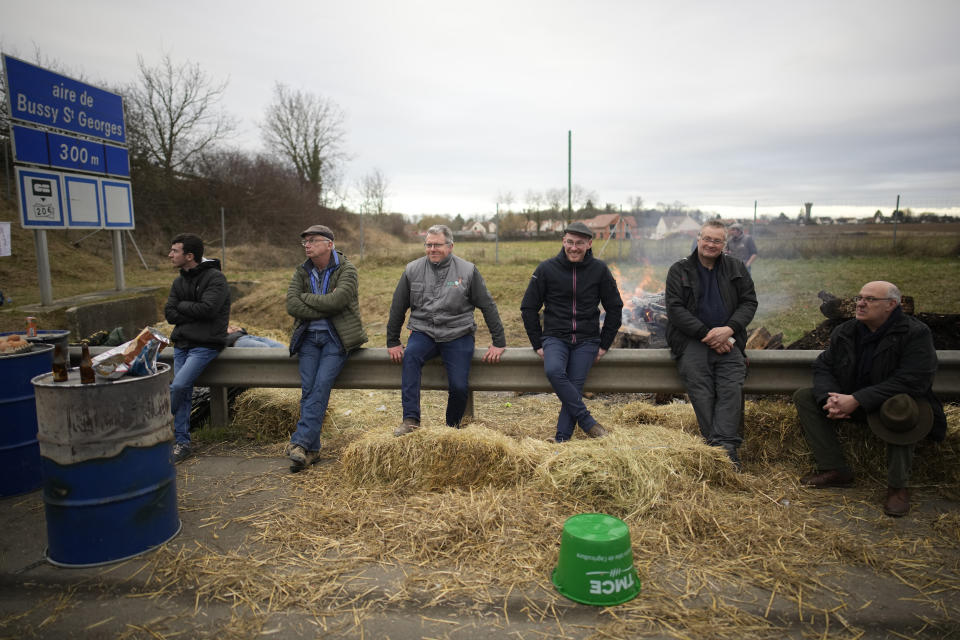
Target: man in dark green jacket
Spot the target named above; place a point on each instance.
(323, 300)
(878, 369)
(710, 300)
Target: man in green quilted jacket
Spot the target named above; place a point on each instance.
(322, 298)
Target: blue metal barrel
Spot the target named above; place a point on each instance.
(109, 484)
(19, 450)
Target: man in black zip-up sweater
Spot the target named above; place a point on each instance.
(570, 287)
(199, 306)
(710, 300)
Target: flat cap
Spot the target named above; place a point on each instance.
(317, 230)
(580, 229)
(737, 225)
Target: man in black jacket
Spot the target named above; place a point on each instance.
(199, 306)
(570, 287)
(710, 301)
(878, 369)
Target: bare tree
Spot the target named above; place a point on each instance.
(535, 208)
(580, 196)
(635, 203)
(173, 115)
(506, 199)
(374, 189)
(556, 199)
(307, 130)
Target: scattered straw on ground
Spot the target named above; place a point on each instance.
(472, 518)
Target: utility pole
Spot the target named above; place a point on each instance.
(896, 216)
(569, 174)
(496, 236)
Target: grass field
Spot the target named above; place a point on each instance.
(787, 288)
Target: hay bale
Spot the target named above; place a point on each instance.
(438, 458)
(634, 470)
(676, 415)
(267, 414)
(772, 435)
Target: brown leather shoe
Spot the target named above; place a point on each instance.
(897, 503)
(596, 431)
(827, 479)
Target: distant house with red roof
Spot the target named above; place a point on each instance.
(612, 225)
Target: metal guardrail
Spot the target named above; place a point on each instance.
(773, 372)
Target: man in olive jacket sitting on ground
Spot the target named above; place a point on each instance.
(323, 300)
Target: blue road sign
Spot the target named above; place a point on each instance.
(118, 161)
(41, 204)
(56, 200)
(57, 151)
(30, 146)
(117, 204)
(49, 99)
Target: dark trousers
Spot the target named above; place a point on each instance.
(821, 434)
(714, 382)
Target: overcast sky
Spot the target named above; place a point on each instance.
(713, 104)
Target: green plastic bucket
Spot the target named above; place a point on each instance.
(596, 561)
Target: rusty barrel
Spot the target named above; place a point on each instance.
(109, 484)
(19, 449)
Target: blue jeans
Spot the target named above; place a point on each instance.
(254, 342)
(321, 360)
(188, 364)
(567, 366)
(456, 356)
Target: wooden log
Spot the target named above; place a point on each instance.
(631, 338)
(760, 338)
(845, 308)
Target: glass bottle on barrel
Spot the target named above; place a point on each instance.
(86, 365)
(59, 363)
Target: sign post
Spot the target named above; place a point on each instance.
(71, 159)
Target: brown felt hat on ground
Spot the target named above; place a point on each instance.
(318, 230)
(902, 419)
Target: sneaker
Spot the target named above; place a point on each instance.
(409, 425)
(300, 457)
(734, 456)
(597, 431)
(181, 452)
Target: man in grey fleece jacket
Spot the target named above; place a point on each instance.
(441, 291)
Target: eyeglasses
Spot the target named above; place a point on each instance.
(435, 245)
(575, 243)
(717, 241)
(868, 299)
(312, 239)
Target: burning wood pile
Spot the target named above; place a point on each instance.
(644, 322)
(645, 325)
